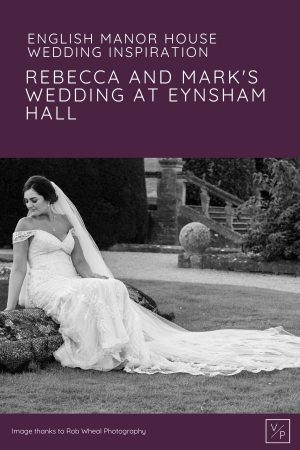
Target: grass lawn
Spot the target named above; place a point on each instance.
(55, 389)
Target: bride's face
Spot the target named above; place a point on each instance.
(36, 204)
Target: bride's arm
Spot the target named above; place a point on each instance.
(80, 263)
(17, 274)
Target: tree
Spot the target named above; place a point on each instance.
(233, 175)
(275, 231)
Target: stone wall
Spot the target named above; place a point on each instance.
(239, 262)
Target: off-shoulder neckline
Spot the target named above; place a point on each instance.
(51, 234)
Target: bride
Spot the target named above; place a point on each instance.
(58, 267)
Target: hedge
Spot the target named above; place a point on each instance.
(110, 195)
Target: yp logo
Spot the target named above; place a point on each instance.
(277, 431)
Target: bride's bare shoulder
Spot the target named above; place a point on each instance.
(24, 224)
(63, 219)
(66, 220)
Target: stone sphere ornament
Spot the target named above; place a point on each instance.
(194, 237)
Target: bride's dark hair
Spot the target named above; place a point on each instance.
(42, 186)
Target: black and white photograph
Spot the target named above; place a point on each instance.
(149, 285)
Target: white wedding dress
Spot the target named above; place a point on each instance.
(103, 328)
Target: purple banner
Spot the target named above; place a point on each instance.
(233, 91)
(150, 431)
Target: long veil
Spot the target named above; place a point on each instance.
(170, 348)
(90, 250)
(161, 346)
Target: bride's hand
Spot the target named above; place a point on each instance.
(97, 275)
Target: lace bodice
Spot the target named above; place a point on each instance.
(47, 252)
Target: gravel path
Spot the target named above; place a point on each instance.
(162, 266)
(159, 266)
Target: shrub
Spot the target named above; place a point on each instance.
(275, 230)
